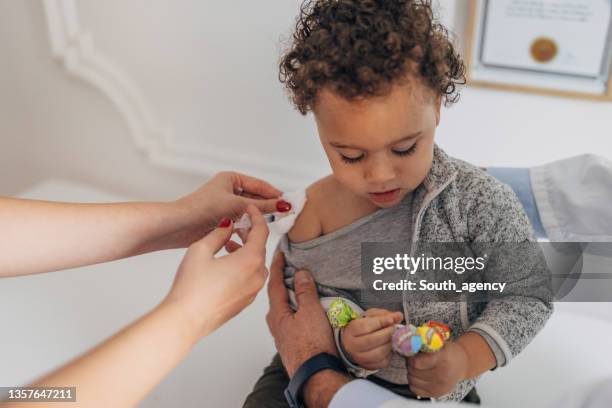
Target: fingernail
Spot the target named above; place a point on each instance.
(301, 277)
(225, 222)
(283, 206)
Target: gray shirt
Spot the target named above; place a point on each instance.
(334, 260)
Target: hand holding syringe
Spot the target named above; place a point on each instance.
(287, 211)
(245, 221)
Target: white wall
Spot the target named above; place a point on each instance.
(206, 72)
(490, 127)
(56, 126)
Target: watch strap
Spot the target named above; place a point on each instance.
(319, 362)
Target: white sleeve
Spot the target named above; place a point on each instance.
(366, 394)
(362, 394)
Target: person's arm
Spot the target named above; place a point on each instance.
(40, 236)
(480, 357)
(331, 389)
(123, 370)
(303, 334)
(501, 229)
(361, 393)
(322, 387)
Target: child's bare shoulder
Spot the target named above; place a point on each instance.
(329, 206)
(309, 224)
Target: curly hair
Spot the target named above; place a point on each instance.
(361, 47)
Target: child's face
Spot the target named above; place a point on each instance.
(380, 148)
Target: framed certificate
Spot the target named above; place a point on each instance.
(561, 47)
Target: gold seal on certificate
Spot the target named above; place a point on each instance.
(544, 50)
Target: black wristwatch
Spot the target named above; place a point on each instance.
(322, 361)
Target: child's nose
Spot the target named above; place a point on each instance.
(380, 172)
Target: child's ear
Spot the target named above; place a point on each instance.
(438, 108)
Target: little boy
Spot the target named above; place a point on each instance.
(375, 73)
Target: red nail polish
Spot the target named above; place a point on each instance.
(225, 222)
(283, 206)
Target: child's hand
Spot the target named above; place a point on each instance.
(367, 340)
(436, 374)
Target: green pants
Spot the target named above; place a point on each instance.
(268, 390)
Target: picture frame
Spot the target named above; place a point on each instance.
(561, 48)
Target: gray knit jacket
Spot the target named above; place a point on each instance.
(458, 202)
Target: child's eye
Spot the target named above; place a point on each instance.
(350, 160)
(406, 152)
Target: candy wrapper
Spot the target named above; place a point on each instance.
(406, 341)
(279, 222)
(340, 314)
(433, 338)
(441, 327)
(428, 338)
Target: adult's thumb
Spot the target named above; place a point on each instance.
(305, 289)
(217, 238)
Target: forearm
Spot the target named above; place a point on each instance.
(321, 388)
(480, 357)
(507, 341)
(123, 370)
(40, 236)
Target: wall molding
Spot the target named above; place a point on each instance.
(73, 45)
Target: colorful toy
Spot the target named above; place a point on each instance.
(444, 329)
(340, 314)
(433, 338)
(428, 338)
(405, 341)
